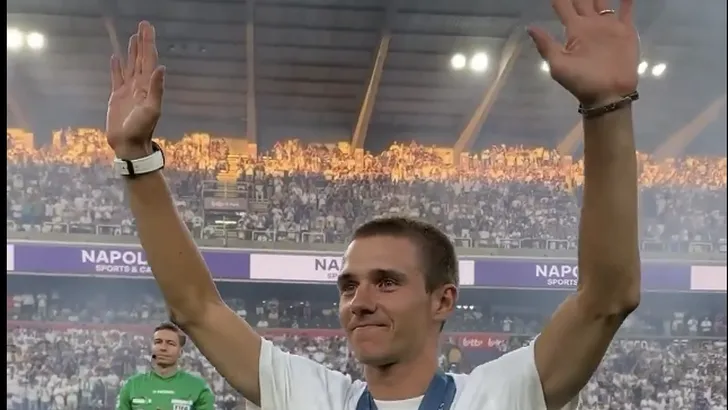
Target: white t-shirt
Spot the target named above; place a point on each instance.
(290, 382)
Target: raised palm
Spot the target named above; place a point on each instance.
(598, 62)
(136, 94)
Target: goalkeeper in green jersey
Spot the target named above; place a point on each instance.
(165, 386)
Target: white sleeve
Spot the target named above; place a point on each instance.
(290, 382)
(249, 405)
(513, 381)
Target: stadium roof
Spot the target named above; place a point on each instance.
(305, 68)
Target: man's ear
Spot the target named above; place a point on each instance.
(443, 302)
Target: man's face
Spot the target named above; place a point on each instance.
(166, 347)
(384, 306)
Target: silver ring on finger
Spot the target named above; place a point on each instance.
(607, 11)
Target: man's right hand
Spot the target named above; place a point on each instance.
(135, 103)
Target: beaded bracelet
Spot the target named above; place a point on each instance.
(604, 109)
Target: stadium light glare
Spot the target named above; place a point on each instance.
(35, 40)
(479, 62)
(15, 39)
(545, 67)
(458, 61)
(659, 69)
(642, 68)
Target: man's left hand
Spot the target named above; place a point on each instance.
(598, 63)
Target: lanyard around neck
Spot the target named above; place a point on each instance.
(440, 395)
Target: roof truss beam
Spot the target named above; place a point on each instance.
(509, 55)
(251, 107)
(109, 10)
(17, 112)
(367, 106)
(679, 140)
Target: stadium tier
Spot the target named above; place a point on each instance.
(78, 325)
(504, 197)
(73, 340)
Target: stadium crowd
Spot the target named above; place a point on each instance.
(70, 347)
(501, 197)
(121, 302)
(83, 368)
(66, 351)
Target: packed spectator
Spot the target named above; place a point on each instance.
(75, 368)
(66, 352)
(73, 351)
(118, 304)
(501, 197)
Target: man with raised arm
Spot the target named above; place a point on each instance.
(399, 280)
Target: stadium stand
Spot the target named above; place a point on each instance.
(73, 340)
(504, 197)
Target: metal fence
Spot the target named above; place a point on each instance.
(231, 231)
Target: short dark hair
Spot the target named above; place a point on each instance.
(171, 326)
(437, 252)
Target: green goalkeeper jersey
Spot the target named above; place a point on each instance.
(178, 391)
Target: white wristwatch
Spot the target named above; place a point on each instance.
(134, 167)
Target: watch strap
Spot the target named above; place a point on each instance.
(140, 166)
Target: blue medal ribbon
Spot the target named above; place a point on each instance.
(440, 395)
